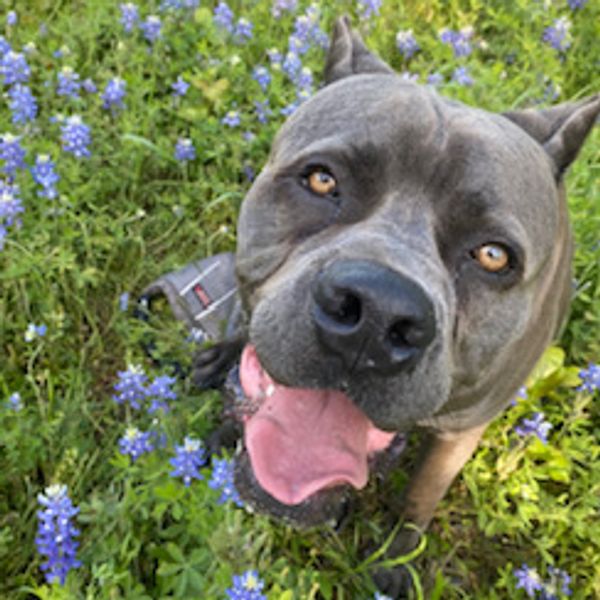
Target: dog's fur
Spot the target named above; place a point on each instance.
(423, 182)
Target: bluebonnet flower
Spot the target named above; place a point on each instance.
(246, 587)
(520, 395)
(22, 103)
(124, 301)
(44, 174)
(159, 391)
(11, 153)
(89, 86)
(15, 402)
(275, 57)
(557, 34)
(243, 30)
(184, 150)
(10, 209)
(170, 5)
(281, 6)
(289, 109)
(461, 76)
(56, 534)
(368, 8)
(34, 331)
(590, 378)
(576, 4)
(262, 76)
(222, 479)
(129, 16)
(131, 387)
(406, 43)
(435, 78)
(249, 173)
(536, 426)
(292, 65)
(223, 17)
(188, 459)
(75, 136)
(151, 28)
(304, 80)
(307, 32)
(262, 110)
(113, 93)
(11, 18)
(559, 583)
(14, 68)
(459, 40)
(4, 46)
(135, 443)
(231, 119)
(528, 579)
(68, 83)
(180, 87)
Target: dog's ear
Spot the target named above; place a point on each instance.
(348, 54)
(561, 129)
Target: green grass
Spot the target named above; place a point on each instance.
(132, 212)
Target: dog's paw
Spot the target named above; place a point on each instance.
(211, 365)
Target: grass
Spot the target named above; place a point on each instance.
(131, 212)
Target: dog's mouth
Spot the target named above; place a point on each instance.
(303, 441)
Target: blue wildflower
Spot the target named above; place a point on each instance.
(557, 35)
(275, 57)
(159, 391)
(124, 301)
(247, 586)
(536, 426)
(435, 79)
(406, 43)
(129, 16)
(151, 28)
(528, 579)
(113, 94)
(461, 76)
(22, 103)
(56, 534)
(231, 119)
(11, 18)
(262, 110)
(15, 402)
(131, 387)
(307, 32)
(289, 109)
(135, 443)
(184, 150)
(558, 584)
(180, 87)
(590, 378)
(14, 68)
(223, 17)
(75, 136)
(222, 479)
(249, 173)
(368, 8)
(68, 83)
(10, 209)
(188, 459)
(34, 331)
(243, 30)
(89, 86)
(459, 40)
(4, 46)
(262, 76)
(281, 6)
(44, 174)
(11, 153)
(292, 65)
(576, 4)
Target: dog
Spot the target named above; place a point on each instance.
(403, 260)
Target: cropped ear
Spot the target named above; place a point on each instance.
(348, 54)
(561, 129)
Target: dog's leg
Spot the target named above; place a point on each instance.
(443, 456)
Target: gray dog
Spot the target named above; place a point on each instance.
(403, 260)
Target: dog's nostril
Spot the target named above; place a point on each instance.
(348, 312)
(397, 334)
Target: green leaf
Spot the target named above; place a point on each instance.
(552, 360)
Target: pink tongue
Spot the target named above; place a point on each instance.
(302, 440)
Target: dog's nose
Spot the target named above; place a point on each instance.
(374, 318)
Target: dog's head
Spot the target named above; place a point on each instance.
(403, 260)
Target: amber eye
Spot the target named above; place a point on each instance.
(321, 182)
(494, 258)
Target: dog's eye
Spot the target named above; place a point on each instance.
(321, 182)
(494, 258)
